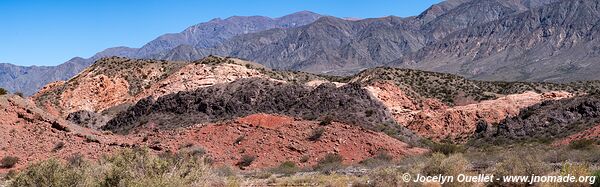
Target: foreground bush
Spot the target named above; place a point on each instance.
(520, 164)
(127, 168)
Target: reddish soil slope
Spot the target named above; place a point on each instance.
(275, 139)
(31, 135)
(591, 133)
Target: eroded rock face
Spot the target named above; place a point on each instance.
(88, 119)
(194, 76)
(115, 81)
(350, 104)
(31, 135)
(433, 119)
(566, 119)
(95, 93)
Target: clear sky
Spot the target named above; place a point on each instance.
(41, 32)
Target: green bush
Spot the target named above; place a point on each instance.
(8, 162)
(3, 91)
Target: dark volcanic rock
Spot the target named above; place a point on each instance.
(544, 122)
(348, 104)
(87, 119)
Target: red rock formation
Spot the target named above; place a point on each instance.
(433, 119)
(31, 135)
(93, 91)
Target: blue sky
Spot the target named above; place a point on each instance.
(40, 32)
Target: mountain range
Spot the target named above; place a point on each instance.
(518, 40)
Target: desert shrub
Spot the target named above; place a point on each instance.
(3, 91)
(583, 144)
(19, 94)
(519, 164)
(388, 176)
(58, 146)
(452, 165)
(382, 157)
(304, 159)
(246, 161)
(91, 139)
(197, 151)
(51, 173)
(319, 180)
(8, 162)
(316, 134)
(369, 113)
(126, 168)
(446, 148)
(575, 169)
(287, 168)
(239, 140)
(329, 163)
(326, 121)
(76, 160)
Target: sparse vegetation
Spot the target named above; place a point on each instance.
(58, 146)
(381, 158)
(582, 144)
(316, 134)
(287, 168)
(20, 94)
(246, 161)
(8, 161)
(304, 159)
(329, 163)
(127, 168)
(326, 121)
(91, 139)
(3, 91)
(448, 87)
(239, 140)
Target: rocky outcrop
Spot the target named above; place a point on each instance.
(350, 104)
(32, 135)
(545, 122)
(117, 81)
(438, 121)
